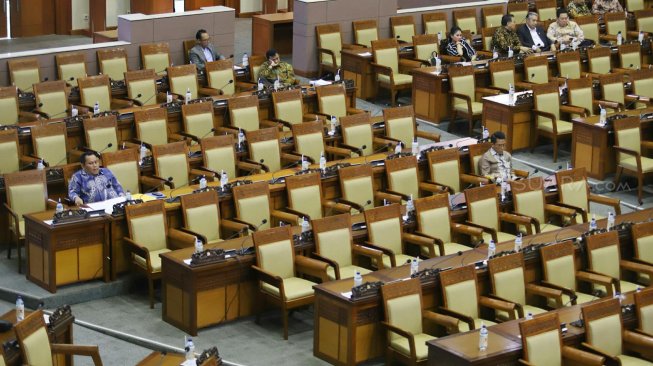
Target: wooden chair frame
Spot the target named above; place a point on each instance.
(575, 175)
(154, 48)
(359, 25)
(30, 63)
(111, 54)
(67, 59)
(487, 192)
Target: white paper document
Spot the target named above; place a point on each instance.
(107, 205)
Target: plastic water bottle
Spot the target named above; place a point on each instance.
(510, 52)
(241, 137)
(610, 223)
(414, 266)
(486, 133)
(495, 53)
(491, 249)
(482, 338)
(640, 37)
(245, 60)
(224, 179)
(398, 148)
(305, 163)
(260, 84)
(59, 207)
(40, 165)
(190, 349)
(603, 117)
(323, 161)
(529, 316)
(74, 111)
(142, 154)
(439, 37)
(188, 95)
(128, 196)
(168, 97)
(618, 295)
(277, 84)
(358, 279)
(415, 148)
(410, 205)
(306, 226)
(203, 182)
(199, 246)
(518, 243)
(511, 94)
(334, 122)
(336, 78)
(569, 166)
(620, 38)
(20, 309)
(504, 188)
(96, 108)
(593, 225)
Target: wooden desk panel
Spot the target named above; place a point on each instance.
(514, 120)
(462, 349)
(160, 359)
(272, 31)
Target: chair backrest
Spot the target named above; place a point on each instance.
(124, 166)
(52, 98)
(288, 105)
(264, 146)
(644, 307)
(589, 24)
(528, 197)
(483, 206)
(444, 167)
(183, 78)
(518, 10)
(10, 161)
(402, 27)
(152, 125)
(425, 45)
(305, 194)
(201, 213)
(155, 56)
(198, 119)
(26, 191)
(219, 154)
(309, 139)
(274, 251)
(630, 56)
(386, 54)
(476, 152)
(113, 62)
(171, 160)
(642, 81)
(252, 203)
(573, 188)
(435, 23)
(569, 64)
(466, 20)
(356, 184)
(612, 87)
(9, 105)
(95, 89)
(188, 44)
(487, 33)
(492, 15)
(384, 227)
(643, 241)
(34, 341)
(148, 224)
(559, 264)
(536, 69)
(603, 253)
(634, 5)
(598, 59)
(24, 73)
(433, 216)
(331, 100)
(402, 175)
(255, 62)
(328, 37)
(460, 290)
(627, 135)
(507, 277)
(218, 75)
(71, 66)
(541, 340)
(333, 238)
(141, 86)
(365, 31)
(546, 9)
(603, 325)
(101, 133)
(243, 113)
(400, 124)
(644, 20)
(546, 97)
(615, 23)
(462, 81)
(502, 73)
(49, 143)
(580, 94)
(403, 306)
(357, 132)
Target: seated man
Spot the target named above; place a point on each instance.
(578, 8)
(203, 51)
(92, 183)
(506, 38)
(274, 69)
(601, 7)
(496, 163)
(532, 36)
(564, 31)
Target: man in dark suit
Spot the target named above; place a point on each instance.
(532, 36)
(203, 51)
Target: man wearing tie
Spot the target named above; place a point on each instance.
(92, 183)
(532, 36)
(203, 51)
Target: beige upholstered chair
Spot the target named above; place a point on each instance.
(630, 57)
(546, 9)
(141, 87)
(254, 208)
(425, 45)
(278, 270)
(385, 234)
(559, 271)
(334, 245)
(644, 308)
(113, 62)
(50, 144)
(97, 89)
(305, 197)
(365, 31)
(219, 154)
(264, 148)
(201, 213)
(27, 193)
(434, 222)
(486, 37)
(445, 171)
(569, 65)
(464, 95)
(581, 94)
(402, 28)
(615, 23)
(11, 113)
(71, 66)
(244, 115)
(435, 23)
(483, 212)
(466, 20)
(518, 10)
(171, 161)
(605, 335)
(536, 70)
(197, 120)
(528, 200)
(37, 349)
(405, 322)
(309, 141)
(388, 67)
(462, 300)
(599, 60)
(357, 188)
(604, 257)
(502, 74)
(613, 90)
(150, 236)
(221, 78)
(124, 165)
(151, 127)
(24, 73)
(156, 56)
(643, 247)
(630, 150)
(101, 134)
(642, 81)
(400, 125)
(329, 45)
(644, 20)
(183, 78)
(575, 193)
(357, 135)
(589, 24)
(289, 108)
(332, 101)
(509, 284)
(12, 160)
(492, 15)
(51, 99)
(403, 179)
(542, 344)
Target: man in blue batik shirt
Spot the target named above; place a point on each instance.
(92, 183)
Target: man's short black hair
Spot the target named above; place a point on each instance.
(271, 52)
(198, 35)
(498, 135)
(82, 159)
(506, 19)
(561, 11)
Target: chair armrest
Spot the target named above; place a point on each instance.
(383, 250)
(637, 342)
(335, 206)
(338, 152)
(582, 212)
(269, 278)
(404, 197)
(263, 166)
(545, 292)
(443, 188)
(383, 70)
(121, 103)
(404, 333)
(646, 144)
(524, 362)
(420, 240)
(567, 291)
(312, 267)
(406, 65)
(368, 252)
(387, 196)
(354, 149)
(450, 59)
(581, 357)
(351, 204)
(178, 239)
(209, 91)
(290, 157)
(188, 135)
(139, 250)
(351, 46)
(448, 322)
(436, 241)
(484, 228)
(473, 179)
(351, 110)
(265, 123)
(50, 204)
(572, 109)
(613, 202)
(234, 226)
(497, 304)
(249, 166)
(599, 279)
(466, 229)
(466, 98)
(233, 221)
(548, 115)
(636, 267)
(561, 211)
(599, 352)
(428, 135)
(433, 188)
(285, 217)
(24, 116)
(78, 349)
(13, 214)
(487, 91)
(518, 307)
(330, 262)
(520, 220)
(296, 213)
(606, 104)
(457, 315)
(153, 181)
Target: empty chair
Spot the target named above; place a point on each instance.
(155, 56)
(51, 98)
(171, 161)
(644, 308)
(254, 208)
(569, 65)
(201, 213)
(50, 144)
(630, 150)
(10, 108)
(332, 101)
(589, 24)
(141, 87)
(113, 62)
(12, 160)
(24, 73)
(309, 142)
(426, 47)
(357, 135)
(289, 108)
(402, 28)
(264, 147)
(548, 110)
(197, 121)
(599, 60)
(101, 134)
(305, 197)
(492, 15)
(329, 45)
(388, 66)
(71, 66)
(466, 20)
(365, 31)
(357, 188)
(613, 91)
(435, 23)
(484, 212)
(400, 125)
(546, 9)
(518, 10)
(97, 89)
(221, 78)
(244, 115)
(151, 127)
(403, 180)
(575, 193)
(643, 250)
(502, 74)
(444, 168)
(528, 200)
(463, 95)
(183, 79)
(219, 155)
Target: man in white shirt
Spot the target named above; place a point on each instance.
(204, 51)
(532, 36)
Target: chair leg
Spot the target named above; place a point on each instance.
(640, 186)
(285, 324)
(555, 149)
(20, 256)
(470, 122)
(453, 118)
(150, 284)
(617, 177)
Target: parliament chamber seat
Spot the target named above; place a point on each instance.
(436, 23)
(113, 63)
(11, 108)
(388, 67)
(197, 121)
(631, 153)
(24, 73)
(357, 188)
(309, 142)
(575, 193)
(529, 200)
(97, 89)
(643, 250)
(445, 170)
(483, 212)
(358, 136)
(70, 67)
(306, 199)
(400, 125)
(219, 155)
(156, 56)
(264, 148)
(402, 28)
(365, 31)
(403, 179)
(141, 87)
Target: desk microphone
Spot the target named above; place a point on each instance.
(468, 252)
(110, 144)
(632, 102)
(242, 250)
(231, 81)
(173, 199)
(384, 147)
(165, 181)
(549, 177)
(212, 130)
(241, 231)
(142, 103)
(534, 237)
(256, 168)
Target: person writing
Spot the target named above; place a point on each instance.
(203, 51)
(496, 163)
(93, 183)
(457, 45)
(274, 69)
